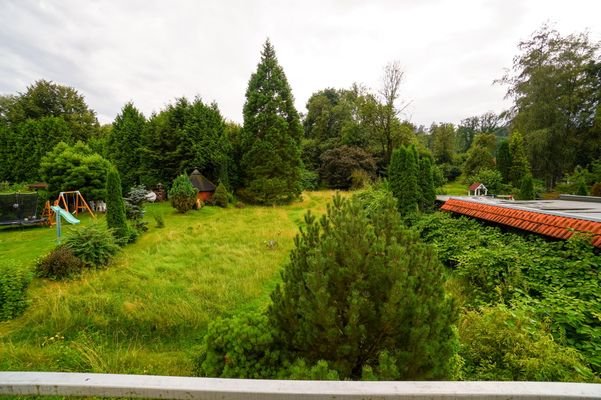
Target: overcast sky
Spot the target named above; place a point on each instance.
(151, 52)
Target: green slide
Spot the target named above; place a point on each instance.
(65, 214)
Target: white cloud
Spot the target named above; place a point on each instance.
(151, 52)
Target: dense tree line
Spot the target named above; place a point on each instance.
(552, 127)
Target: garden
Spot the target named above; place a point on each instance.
(147, 311)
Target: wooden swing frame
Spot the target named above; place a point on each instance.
(80, 202)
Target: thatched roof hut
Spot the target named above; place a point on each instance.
(205, 187)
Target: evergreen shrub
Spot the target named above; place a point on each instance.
(240, 347)
(134, 207)
(220, 197)
(115, 207)
(92, 244)
(309, 180)
(182, 194)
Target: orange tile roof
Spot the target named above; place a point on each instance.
(544, 224)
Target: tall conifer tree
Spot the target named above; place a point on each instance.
(125, 144)
(115, 206)
(426, 187)
(272, 133)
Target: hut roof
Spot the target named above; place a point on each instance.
(200, 182)
(476, 185)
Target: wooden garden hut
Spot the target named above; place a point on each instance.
(205, 187)
(478, 189)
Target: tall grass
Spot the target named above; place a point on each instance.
(147, 312)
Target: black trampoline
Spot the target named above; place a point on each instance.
(19, 209)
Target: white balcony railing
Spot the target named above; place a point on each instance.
(172, 387)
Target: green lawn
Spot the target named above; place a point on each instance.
(147, 312)
(455, 188)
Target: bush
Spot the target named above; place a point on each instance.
(509, 345)
(244, 346)
(359, 179)
(160, 221)
(358, 286)
(60, 263)
(582, 189)
(309, 180)
(596, 189)
(239, 347)
(450, 172)
(93, 245)
(182, 194)
(374, 197)
(220, 197)
(337, 165)
(134, 203)
(14, 281)
(558, 281)
(134, 210)
(491, 178)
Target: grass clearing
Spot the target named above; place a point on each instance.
(147, 312)
(455, 188)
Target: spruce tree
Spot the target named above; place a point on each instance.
(520, 167)
(365, 295)
(504, 160)
(115, 206)
(125, 144)
(426, 185)
(272, 133)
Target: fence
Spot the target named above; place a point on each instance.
(171, 387)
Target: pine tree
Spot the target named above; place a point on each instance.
(124, 144)
(272, 133)
(115, 206)
(364, 294)
(426, 184)
(504, 160)
(520, 167)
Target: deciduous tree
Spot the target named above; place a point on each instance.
(555, 85)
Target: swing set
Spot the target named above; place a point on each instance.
(71, 201)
